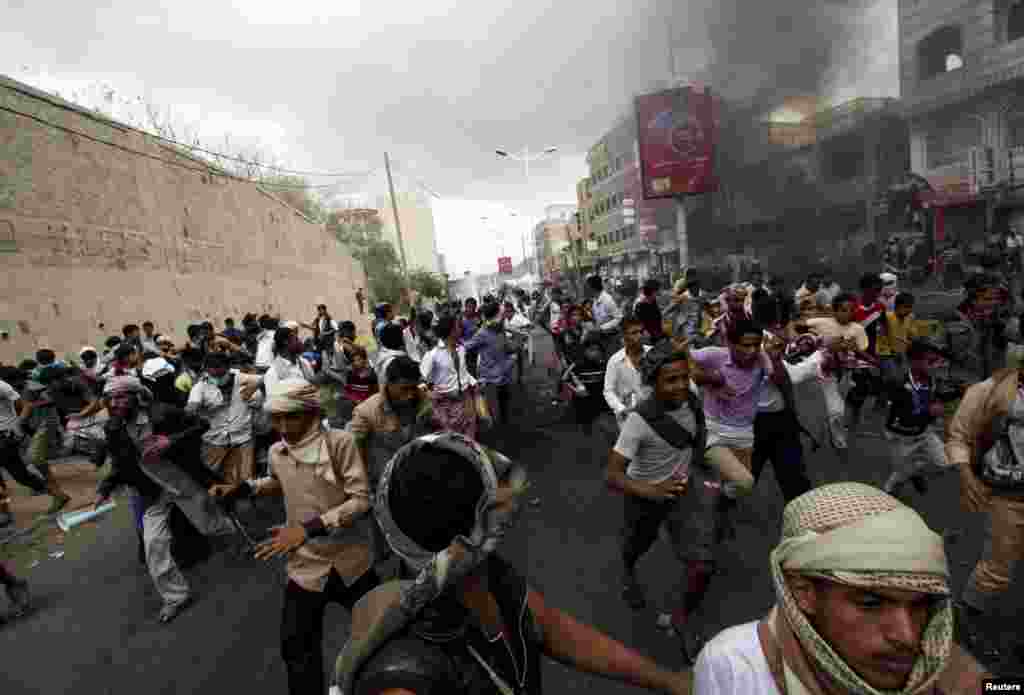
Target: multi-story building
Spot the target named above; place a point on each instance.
(416, 217)
(551, 238)
(962, 81)
(615, 211)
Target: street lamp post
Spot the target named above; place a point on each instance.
(526, 157)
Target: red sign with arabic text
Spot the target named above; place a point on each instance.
(677, 133)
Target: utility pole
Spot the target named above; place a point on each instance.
(398, 224)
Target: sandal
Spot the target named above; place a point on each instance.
(170, 611)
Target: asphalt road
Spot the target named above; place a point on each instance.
(94, 627)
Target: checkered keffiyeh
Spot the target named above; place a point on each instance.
(908, 557)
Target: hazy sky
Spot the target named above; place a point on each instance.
(328, 86)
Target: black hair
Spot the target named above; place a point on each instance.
(843, 298)
(14, 376)
(123, 352)
(425, 320)
(268, 323)
(870, 281)
(45, 356)
(321, 306)
(433, 497)
(88, 352)
(904, 299)
(112, 342)
(595, 283)
(471, 299)
(147, 323)
(192, 357)
(391, 337)
(347, 329)
(282, 336)
(768, 310)
(217, 360)
(445, 326)
(744, 327)
(922, 346)
(27, 365)
(129, 328)
(490, 310)
(403, 370)
(229, 321)
(193, 330)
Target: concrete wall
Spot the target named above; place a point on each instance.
(92, 234)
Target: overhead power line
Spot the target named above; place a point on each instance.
(110, 122)
(209, 169)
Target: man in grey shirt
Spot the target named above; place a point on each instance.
(653, 466)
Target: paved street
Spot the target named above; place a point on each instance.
(94, 629)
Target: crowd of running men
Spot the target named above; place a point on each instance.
(394, 507)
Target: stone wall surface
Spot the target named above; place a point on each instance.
(93, 234)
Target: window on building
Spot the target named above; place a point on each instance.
(940, 52)
(1015, 21)
(950, 138)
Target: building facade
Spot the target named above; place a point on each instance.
(629, 236)
(962, 80)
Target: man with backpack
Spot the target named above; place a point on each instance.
(657, 464)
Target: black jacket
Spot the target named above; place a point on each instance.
(184, 452)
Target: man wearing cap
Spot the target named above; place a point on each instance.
(326, 494)
(862, 607)
(462, 620)
(217, 397)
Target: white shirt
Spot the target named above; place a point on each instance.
(281, 369)
(607, 315)
(412, 348)
(651, 458)
(623, 386)
(264, 349)
(770, 400)
(438, 369)
(230, 423)
(8, 415)
(733, 662)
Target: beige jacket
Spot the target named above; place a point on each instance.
(970, 433)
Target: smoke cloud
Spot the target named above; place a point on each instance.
(760, 53)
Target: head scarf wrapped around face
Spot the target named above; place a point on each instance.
(857, 535)
(292, 396)
(444, 569)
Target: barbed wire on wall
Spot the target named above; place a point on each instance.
(99, 118)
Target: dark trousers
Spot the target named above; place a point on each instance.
(302, 628)
(12, 462)
(777, 439)
(865, 383)
(642, 520)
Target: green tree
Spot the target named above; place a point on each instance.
(378, 256)
(427, 284)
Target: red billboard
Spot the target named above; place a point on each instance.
(677, 131)
(505, 264)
